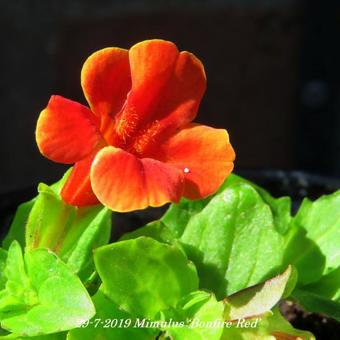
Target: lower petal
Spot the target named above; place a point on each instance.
(124, 182)
(77, 189)
(203, 154)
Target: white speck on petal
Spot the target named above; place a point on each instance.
(186, 170)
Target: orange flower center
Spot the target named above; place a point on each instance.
(127, 131)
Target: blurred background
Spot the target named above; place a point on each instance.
(273, 69)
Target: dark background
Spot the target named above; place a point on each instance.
(273, 71)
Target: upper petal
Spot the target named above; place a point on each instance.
(167, 87)
(152, 63)
(106, 80)
(164, 80)
(177, 105)
(203, 154)
(66, 131)
(184, 91)
(123, 182)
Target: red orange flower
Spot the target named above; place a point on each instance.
(136, 146)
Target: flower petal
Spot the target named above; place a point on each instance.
(106, 80)
(124, 182)
(152, 63)
(66, 131)
(178, 104)
(183, 93)
(77, 190)
(203, 154)
(167, 87)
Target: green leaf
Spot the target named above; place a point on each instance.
(60, 300)
(176, 218)
(328, 286)
(267, 326)
(90, 229)
(203, 317)
(156, 230)
(313, 247)
(48, 221)
(178, 215)
(242, 236)
(313, 241)
(259, 299)
(18, 292)
(69, 231)
(280, 208)
(57, 336)
(234, 240)
(143, 276)
(317, 303)
(3, 257)
(17, 227)
(57, 186)
(110, 322)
